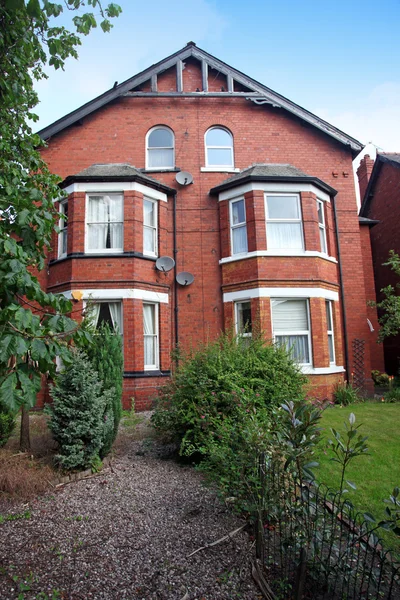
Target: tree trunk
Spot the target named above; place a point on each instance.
(24, 440)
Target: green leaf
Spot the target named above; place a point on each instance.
(8, 395)
(368, 517)
(38, 349)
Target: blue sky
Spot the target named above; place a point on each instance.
(339, 60)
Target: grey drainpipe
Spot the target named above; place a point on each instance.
(175, 251)
(346, 350)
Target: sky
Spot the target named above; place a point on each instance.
(339, 60)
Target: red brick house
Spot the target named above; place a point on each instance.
(380, 193)
(249, 193)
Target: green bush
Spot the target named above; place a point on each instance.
(214, 383)
(79, 421)
(380, 379)
(345, 394)
(7, 424)
(106, 356)
(392, 395)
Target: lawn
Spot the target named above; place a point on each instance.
(375, 474)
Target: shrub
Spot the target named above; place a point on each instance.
(392, 395)
(345, 394)
(7, 424)
(380, 379)
(216, 381)
(78, 418)
(106, 356)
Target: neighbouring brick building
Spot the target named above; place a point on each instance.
(268, 228)
(380, 194)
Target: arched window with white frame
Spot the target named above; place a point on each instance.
(219, 148)
(160, 148)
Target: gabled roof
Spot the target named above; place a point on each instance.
(256, 92)
(115, 172)
(392, 158)
(272, 172)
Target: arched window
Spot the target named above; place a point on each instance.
(160, 149)
(219, 148)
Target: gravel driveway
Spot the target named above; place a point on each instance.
(126, 533)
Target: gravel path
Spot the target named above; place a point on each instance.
(126, 533)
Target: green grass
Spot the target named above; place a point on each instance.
(376, 474)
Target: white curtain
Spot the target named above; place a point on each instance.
(290, 326)
(239, 240)
(297, 345)
(284, 236)
(161, 157)
(149, 335)
(115, 312)
(93, 313)
(105, 222)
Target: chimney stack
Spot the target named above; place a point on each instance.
(364, 173)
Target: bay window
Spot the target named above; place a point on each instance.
(321, 225)
(238, 227)
(63, 226)
(104, 222)
(150, 334)
(284, 222)
(149, 227)
(291, 327)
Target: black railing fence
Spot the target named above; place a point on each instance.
(312, 544)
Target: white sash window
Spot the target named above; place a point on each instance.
(238, 227)
(291, 327)
(284, 222)
(105, 223)
(150, 334)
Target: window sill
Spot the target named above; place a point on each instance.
(160, 170)
(155, 373)
(260, 253)
(102, 255)
(309, 370)
(219, 170)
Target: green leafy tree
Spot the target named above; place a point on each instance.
(78, 414)
(106, 356)
(34, 327)
(389, 307)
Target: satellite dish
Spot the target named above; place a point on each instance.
(184, 278)
(184, 178)
(165, 263)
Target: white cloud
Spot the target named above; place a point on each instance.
(373, 118)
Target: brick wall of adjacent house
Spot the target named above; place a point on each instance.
(262, 134)
(384, 206)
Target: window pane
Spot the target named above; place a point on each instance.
(239, 240)
(161, 138)
(244, 324)
(149, 351)
(148, 239)
(283, 207)
(105, 315)
(219, 157)
(320, 212)
(149, 319)
(297, 345)
(328, 316)
(331, 349)
(149, 213)
(238, 215)
(161, 158)
(284, 236)
(322, 239)
(218, 137)
(64, 241)
(289, 315)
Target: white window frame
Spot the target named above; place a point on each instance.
(242, 224)
(290, 332)
(298, 220)
(210, 147)
(155, 336)
(102, 250)
(153, 228)
(330, 331)
(322, 227)
(63, 226)
(243, 334)
(149, 148)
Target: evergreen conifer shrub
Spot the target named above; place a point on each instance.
(106, 356)
(7, 424)
(79, 419)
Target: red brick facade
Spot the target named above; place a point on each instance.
(380, 191)
(116, 133)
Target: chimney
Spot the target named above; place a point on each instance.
(364, 173)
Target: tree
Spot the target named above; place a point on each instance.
(34, 326)
(389, 307)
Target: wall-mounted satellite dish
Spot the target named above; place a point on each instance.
(184, 178)
(165, 264)
(184, 278)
